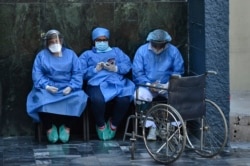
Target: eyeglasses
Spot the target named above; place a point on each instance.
(101, 40)
(158, 45)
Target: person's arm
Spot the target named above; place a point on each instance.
(139, 75)
(88, 71)
(40, 80)
(123, 64)
(77, 75)
(178, 65)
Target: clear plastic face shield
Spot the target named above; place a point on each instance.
(158, 40)
(158, 46)
(54, 42)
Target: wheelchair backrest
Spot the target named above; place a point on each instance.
(187, 95)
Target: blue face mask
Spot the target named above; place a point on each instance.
(102, 46)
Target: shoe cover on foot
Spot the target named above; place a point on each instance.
(111, 132)
(152, 134)
(53, 135)
(103, 134)
(63, 134)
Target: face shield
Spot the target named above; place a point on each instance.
(52, 34)
(53, 41)
(158, 40)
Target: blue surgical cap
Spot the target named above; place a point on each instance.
(97, 32)
(159, 35)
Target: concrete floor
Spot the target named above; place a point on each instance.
(25, 151)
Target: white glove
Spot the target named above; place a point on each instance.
(110, 67)
(155, 84)
(165, 86)
(99, 66)
(67, 90)
(51, 89)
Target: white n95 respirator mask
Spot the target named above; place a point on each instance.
(55, 48)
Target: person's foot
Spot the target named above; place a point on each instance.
(52, 134)
(152, 134)
(112, 130)
(64, 133)
(103, 132)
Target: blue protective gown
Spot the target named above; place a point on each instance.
(112, 84)
(149, 67)
(59, 72)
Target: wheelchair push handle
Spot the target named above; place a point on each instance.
(211, 72)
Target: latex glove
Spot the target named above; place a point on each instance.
(67, 90)
(110, 67)
(99, 66)
(155, 84)
(165, 86)
(51, 89)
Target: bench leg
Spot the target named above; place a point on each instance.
(85, 126)
(39, 132)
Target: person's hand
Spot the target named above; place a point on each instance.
(51, 89)
(99, 66)
(165, 86)
(110, 67)
(159, 85)
(67, 90)
(152, 89)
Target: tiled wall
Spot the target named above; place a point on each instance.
(23, 21)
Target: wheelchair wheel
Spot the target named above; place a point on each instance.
(211, 132)
(170, 132)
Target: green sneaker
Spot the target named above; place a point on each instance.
(103, 134)
(63, 134)
(53, 135)
(110, 131)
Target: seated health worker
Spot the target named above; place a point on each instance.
(57, 98)
(106, 67)
(154, 63)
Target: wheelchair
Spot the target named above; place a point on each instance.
(186, 119)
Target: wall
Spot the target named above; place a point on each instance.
(23, 21)
(239, 46)
(239, 70)
(209, 49)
